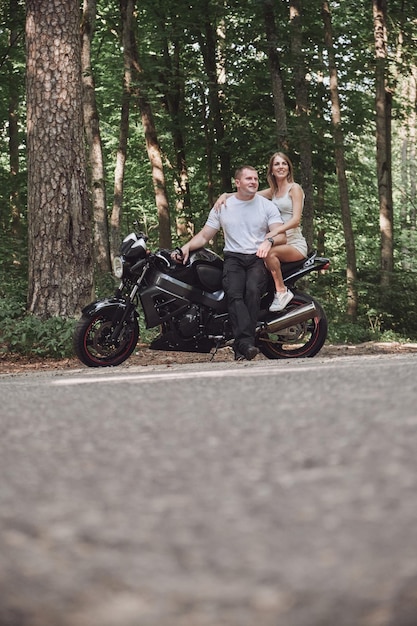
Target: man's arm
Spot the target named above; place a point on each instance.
(199, 240)
(266, 245)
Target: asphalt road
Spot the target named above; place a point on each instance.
(240, 494)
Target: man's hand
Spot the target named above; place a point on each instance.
(263, 250)
(266, 246)
(180, 255)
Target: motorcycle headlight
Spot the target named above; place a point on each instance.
(118, 266)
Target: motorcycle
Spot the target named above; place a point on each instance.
(188, 304)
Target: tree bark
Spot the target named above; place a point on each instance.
(59, 208)
(276, 77)
(339, 151)
(148, 123)
(383, 99)
(303, 126)
(207, 41)
(92, 131)
(174, 97)
(15, 200)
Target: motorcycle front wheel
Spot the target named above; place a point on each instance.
(299, 340)
(93, 343)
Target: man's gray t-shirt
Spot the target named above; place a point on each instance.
(244, 222)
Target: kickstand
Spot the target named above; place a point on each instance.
(216, 348)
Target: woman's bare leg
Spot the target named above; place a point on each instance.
(277, 254)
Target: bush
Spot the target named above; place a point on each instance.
(383, 315)
(28, 335)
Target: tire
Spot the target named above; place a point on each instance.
(300, 340)
(91, 340)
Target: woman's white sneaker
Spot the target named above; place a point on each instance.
(281, 300)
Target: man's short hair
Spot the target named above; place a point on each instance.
(240, 169)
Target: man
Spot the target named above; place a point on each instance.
(245, 220)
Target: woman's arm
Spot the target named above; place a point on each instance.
(221, 200)
(266, 193)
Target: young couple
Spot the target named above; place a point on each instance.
(261, 228)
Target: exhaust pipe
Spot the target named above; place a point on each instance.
(298, 315)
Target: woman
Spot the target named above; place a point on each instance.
(289, 198)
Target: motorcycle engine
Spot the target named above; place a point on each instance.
(189, 324)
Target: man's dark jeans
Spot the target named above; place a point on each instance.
(244, 281)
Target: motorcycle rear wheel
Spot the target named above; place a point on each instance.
(300, 340)
(92, 341)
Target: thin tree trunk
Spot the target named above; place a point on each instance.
(126, 11)
(92, 131)
(59, 209)
(383, 142)
(351, 271)
(207, 40)
(13, 130)
(174, 95)
(119, 170)
(209, 143)
(276, 77)
(148, 123)
(408, 171)
(302, 111)
(412, 125)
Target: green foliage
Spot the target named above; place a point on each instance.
(382, 316)
(30, 336)
(19, 332)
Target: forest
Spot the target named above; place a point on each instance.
(129, 112)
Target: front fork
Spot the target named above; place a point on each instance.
(127, 312)
(129, 308)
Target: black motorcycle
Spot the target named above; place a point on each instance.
(188, 304)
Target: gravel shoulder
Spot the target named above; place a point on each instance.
(15, 363)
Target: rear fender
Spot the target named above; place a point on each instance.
(293, 271)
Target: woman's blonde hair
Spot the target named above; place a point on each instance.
(270, 177)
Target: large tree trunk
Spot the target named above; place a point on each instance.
(276, 77)
(303, 126)
(351, 271)
(59, 208)
(383, 101)
(92, 131)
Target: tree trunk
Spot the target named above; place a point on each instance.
(119, 170)
(412, 125)
(351, 271)
(383, 142)
(59, 209)
(174, 96)
(151, 137)
(276, 77)
(303, 126)
(13, 130)
(207, 41)
(408, 172)
(92, 131)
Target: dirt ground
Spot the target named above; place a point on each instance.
(14, 363)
